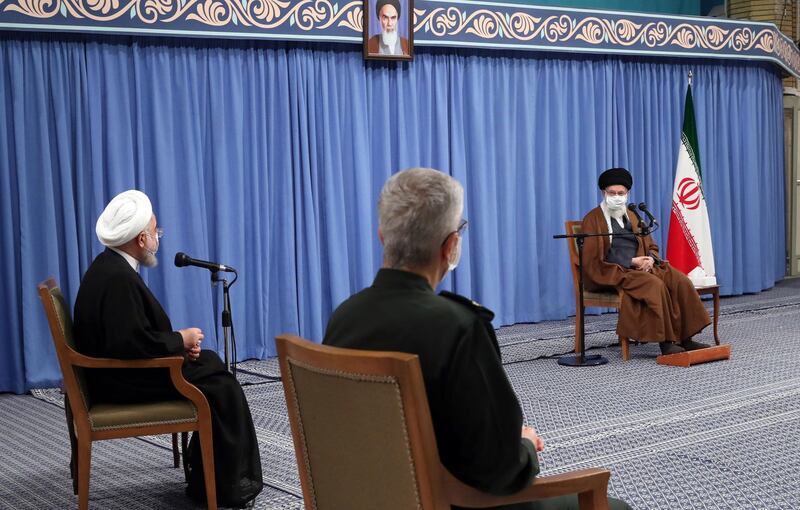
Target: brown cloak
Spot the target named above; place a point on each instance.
(657, 306)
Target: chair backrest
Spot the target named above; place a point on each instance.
(362, 429)
(60, 321)
(573, 227)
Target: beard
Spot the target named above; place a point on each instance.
(617, 212)
(150, 260)
(389, 38)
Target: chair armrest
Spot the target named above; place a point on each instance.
(588, 481)
(81, 360)
(173, 363)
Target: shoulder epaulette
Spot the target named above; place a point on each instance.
(482, 311)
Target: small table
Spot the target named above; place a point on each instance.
(714, 291)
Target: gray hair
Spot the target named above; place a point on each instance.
(417, 210)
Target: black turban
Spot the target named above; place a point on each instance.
(614, 176)
(379, 5)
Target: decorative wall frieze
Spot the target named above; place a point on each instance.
(436, 23)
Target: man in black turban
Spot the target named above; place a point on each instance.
(388, 42)
(659, 303)
(615, 176)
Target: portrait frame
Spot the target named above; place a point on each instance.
(373, 27)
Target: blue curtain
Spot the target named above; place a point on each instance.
(269, 157)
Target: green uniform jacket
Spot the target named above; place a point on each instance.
(476, 414)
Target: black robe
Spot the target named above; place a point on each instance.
(116, 316)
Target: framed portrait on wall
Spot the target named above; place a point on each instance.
(389, 29)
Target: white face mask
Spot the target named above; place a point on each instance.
(150, 259)
(616, 202)
(453, 263)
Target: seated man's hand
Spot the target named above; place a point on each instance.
(530, 434)
(193, 353)
(192, 337)
(642, 263)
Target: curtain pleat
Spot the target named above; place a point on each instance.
(269, 157)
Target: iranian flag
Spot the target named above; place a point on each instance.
(689, 241)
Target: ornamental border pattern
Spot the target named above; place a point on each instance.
(436, 23)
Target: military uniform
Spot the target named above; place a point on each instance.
(475, 412)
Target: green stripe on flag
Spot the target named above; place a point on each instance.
(690, 132)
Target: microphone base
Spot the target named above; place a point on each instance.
(582, 361)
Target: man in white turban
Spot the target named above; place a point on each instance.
(127, 216)
(116, 316)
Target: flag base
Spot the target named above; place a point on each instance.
(695, 357)
(703, 281)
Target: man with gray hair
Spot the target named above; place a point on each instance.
(476, 415)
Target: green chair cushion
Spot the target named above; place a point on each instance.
(113, 416)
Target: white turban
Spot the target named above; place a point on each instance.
(123, 218)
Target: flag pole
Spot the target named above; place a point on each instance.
(690, 77)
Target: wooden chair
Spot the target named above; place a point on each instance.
(364, 439)
(88, 421)
(611, 299)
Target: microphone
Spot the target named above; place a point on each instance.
(181, 260)
(632, 208)
(646, 211)
(642, 228)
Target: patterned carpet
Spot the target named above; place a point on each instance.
(716, 436)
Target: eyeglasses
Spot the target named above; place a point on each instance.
(159, 233)
(616, 194)
(462, 226)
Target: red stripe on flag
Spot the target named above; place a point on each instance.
(680, 252)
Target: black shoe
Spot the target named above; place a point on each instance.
(196, 496)
(691, 345)
(670, 348)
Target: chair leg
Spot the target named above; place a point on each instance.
(593, 499)
(73, 446)
(716, 315)
(625, 344)
(176, 458)
(84, 467)
(184, 448)
(207, 451)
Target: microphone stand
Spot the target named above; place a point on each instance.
(582, 360)
(226, 315)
